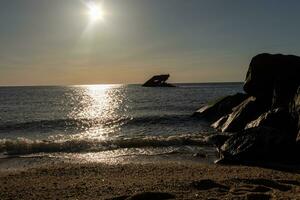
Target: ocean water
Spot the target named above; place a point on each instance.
(104, 122)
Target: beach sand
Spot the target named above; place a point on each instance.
(120, 181)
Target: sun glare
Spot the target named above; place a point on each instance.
(95, 12)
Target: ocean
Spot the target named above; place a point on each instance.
(106, 123)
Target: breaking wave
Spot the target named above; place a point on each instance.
(22, 146)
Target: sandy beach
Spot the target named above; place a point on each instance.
(144, 181)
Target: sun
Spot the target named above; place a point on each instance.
(95, 12)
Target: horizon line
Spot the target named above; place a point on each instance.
(61, 85)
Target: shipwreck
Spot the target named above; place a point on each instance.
(158, 81)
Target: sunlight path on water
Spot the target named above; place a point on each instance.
(98, 105)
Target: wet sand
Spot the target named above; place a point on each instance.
(132, 181)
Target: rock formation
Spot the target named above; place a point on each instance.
(264, 123)
(220, 108)
(158, 81)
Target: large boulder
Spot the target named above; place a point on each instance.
(257, 144)
(264, 124)
(274, 78)
(222, 107)
(242, 114)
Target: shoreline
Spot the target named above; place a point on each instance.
(182, 180)
(179, 155)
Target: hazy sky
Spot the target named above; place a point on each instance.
(51, 42)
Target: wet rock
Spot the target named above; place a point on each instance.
(219, 123)
(254, 144)
(158, 81)
(218, 139)
(279, 118)
(151, 195)
(244, 113)
(295, 107)
(274, 78)
(222, 107)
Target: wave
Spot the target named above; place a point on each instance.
(164, 119)
(83, 124)
(59, 124)
(22, 146)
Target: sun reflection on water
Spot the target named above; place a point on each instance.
(98, 107)
(98, 102)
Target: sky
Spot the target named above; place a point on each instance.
(55, 42)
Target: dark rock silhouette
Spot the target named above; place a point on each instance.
(222, 107)
(247, 111)
(266, 121)
(274, 78)
(257, 144)
(158, 81)
(279, 118)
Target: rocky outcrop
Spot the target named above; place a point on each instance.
(280, 119)
(158, 81)
(274, 78)
(257, 144)
(265, 122)
(247, 111)
(220, 108)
